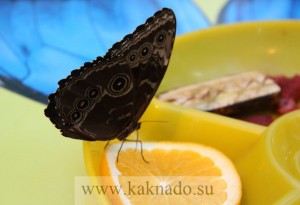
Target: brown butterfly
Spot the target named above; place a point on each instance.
(104, 99)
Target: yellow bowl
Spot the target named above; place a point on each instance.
(270, 171)
(269, 47)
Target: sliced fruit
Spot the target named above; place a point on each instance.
(176, 173)
(233, 94)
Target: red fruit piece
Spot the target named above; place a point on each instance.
(262, 119)
(295, 87)
(280, 80)
(286, 105)
(290, 87)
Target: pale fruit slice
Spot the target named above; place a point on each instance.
(176, 173)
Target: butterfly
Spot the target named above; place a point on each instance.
(104, 99)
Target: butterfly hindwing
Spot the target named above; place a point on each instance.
(104, 99)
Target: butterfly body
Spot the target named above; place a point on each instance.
(105, 99)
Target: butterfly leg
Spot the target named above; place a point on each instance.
(107, 144)
(142, 151)
(120, 150)
(136, 141)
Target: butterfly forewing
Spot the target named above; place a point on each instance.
(105, 99)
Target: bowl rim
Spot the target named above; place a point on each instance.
(248, 25)
(269, 137)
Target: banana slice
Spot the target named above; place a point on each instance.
(234, 94)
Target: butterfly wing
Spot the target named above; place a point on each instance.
(150, 68)
(104, 99)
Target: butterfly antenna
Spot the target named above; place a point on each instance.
(154, 121)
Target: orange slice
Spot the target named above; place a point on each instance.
(177, 173)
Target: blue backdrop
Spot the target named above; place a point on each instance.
(42, 41)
